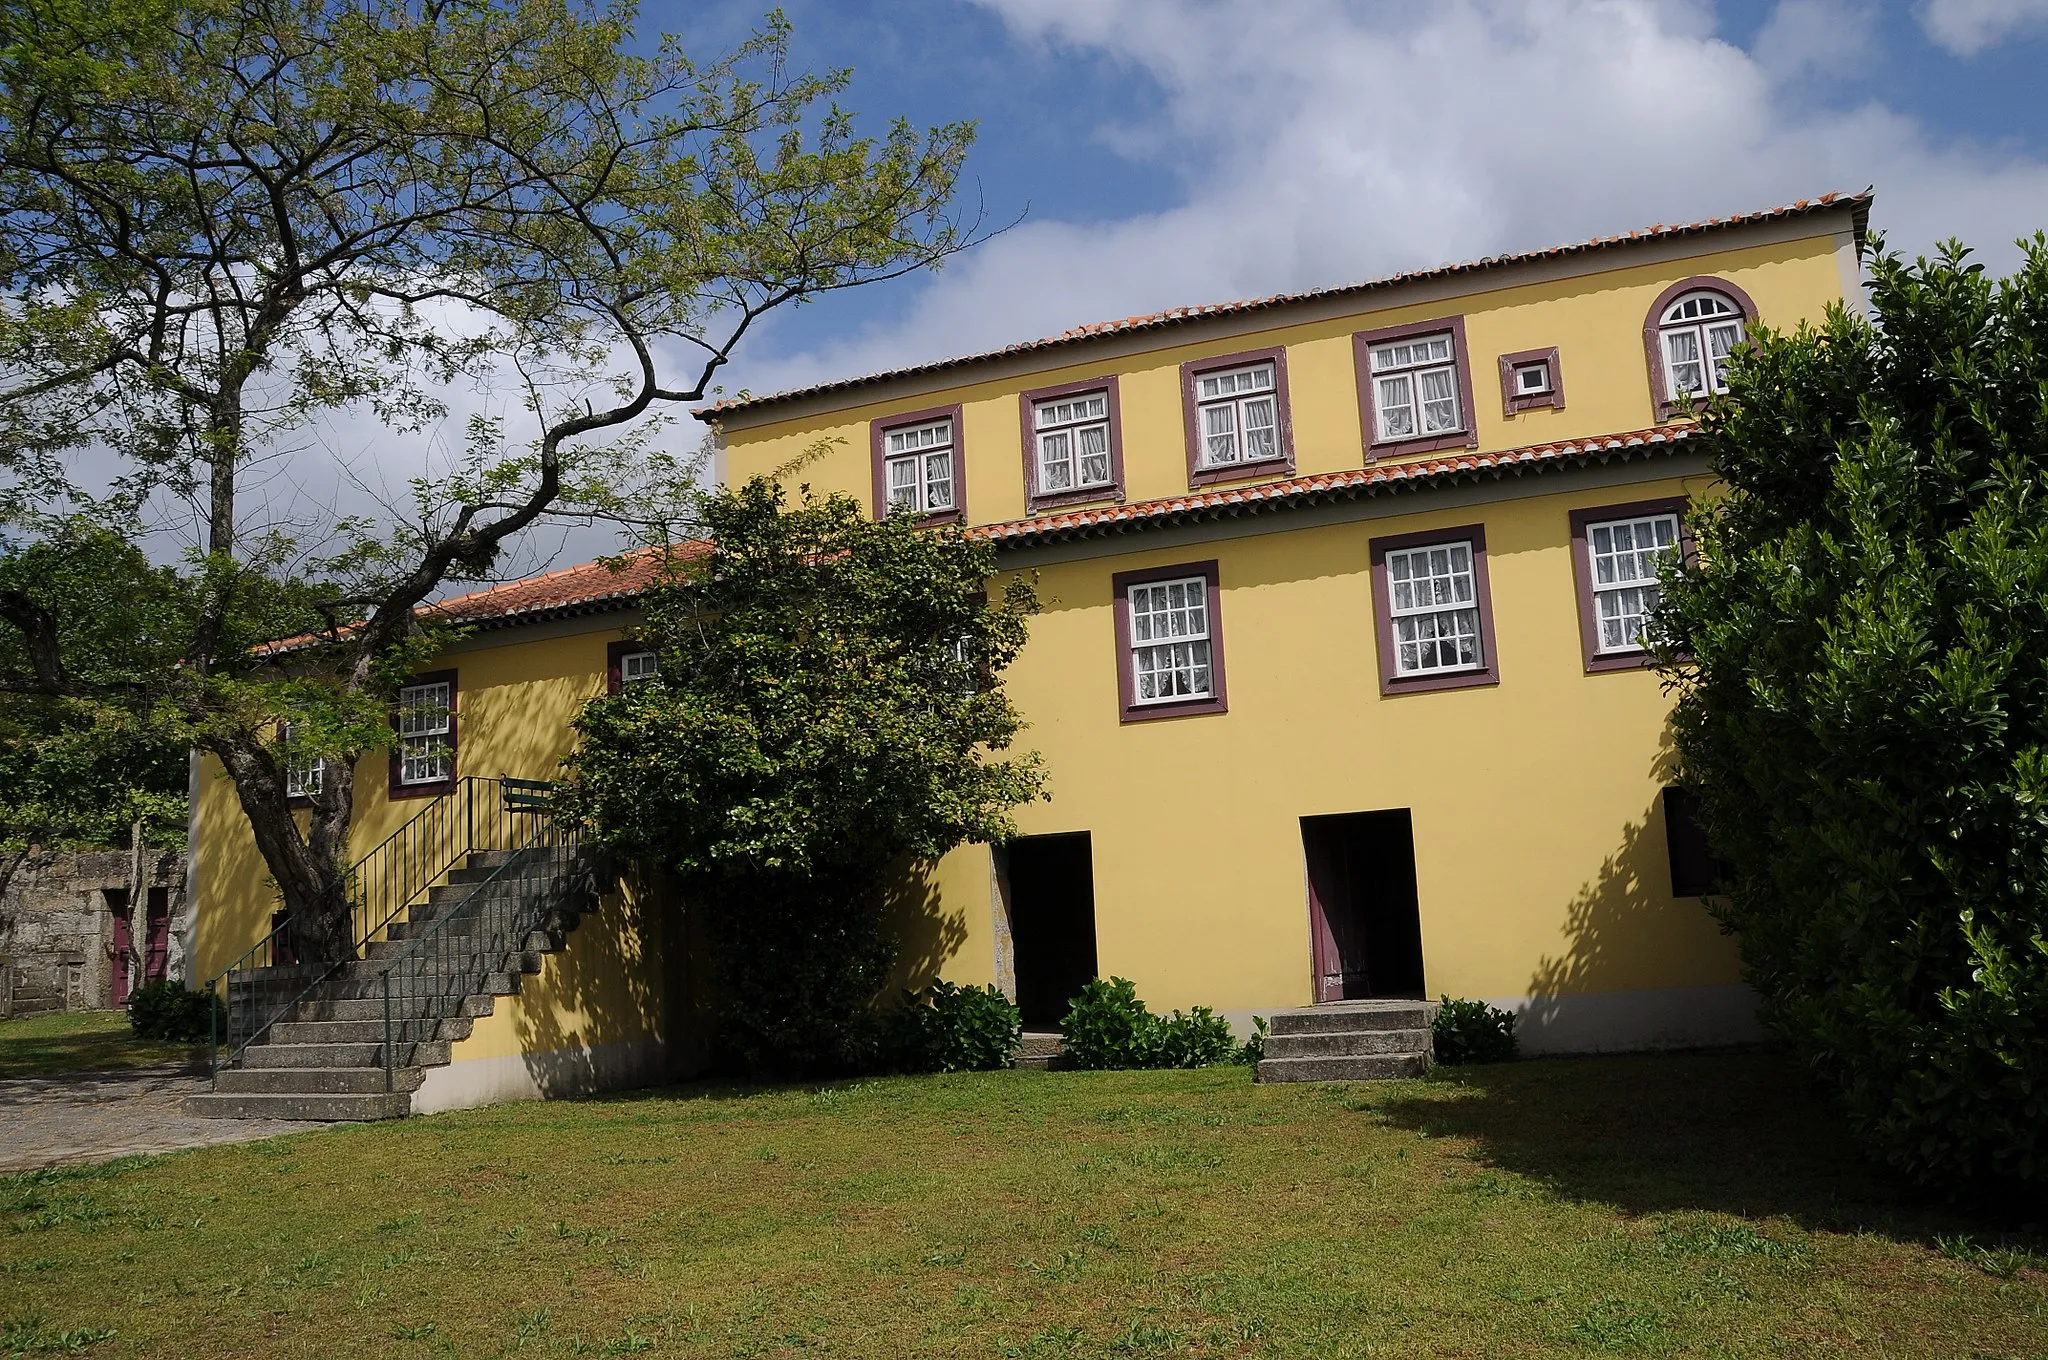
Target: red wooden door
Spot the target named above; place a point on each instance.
(157, 956)
(123, 946)
(1336, 942)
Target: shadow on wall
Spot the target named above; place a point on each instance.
(1623, 927)
(608, 1009)
(928, 933)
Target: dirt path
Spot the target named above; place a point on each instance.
(91, 1116)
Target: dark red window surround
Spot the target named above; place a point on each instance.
(1040, 500)
(1391, 682)
(439, 787)
(1582, 575)
(614, 654)
(1653, 347)
(1282, 466)
(1512, 400)
(1369, 426)
(1126, 685)
(878, 453)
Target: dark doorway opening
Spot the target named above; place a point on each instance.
(1364, 923)
(1052, 922)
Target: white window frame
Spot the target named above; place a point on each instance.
(303, 778)
(1060, 425)
(1536, 366)
(1183, 649)
(1236, 392)
(426, 733)
(635, 667)
(1689, 320)
(911, 455)
(1637, 594)
(1434, 622)
(1398, 368)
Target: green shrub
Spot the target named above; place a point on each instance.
(1253, 1050)
(1473, 1032)
(1107, 1027)
(1860, 656)
(944, 1028)
(165, 1010)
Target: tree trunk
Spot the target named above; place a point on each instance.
(311, 877)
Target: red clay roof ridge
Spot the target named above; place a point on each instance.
(1858, 202)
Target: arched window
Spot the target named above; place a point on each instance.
(1695, 335)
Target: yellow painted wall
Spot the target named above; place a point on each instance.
(515, 697)
(1595, 321)
(1539, 844)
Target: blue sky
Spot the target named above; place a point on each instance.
(1164, 153)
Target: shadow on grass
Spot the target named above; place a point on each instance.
(1742, 1133)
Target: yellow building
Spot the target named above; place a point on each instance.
(1337, 683)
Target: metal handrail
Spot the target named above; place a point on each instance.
(436, 966)
(383, 884)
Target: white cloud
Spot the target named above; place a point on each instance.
(1322, 142)
(1967, 27)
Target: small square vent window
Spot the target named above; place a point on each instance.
(1531, 379)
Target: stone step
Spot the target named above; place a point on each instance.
(1348, 1043)
(372, 1008)
(282, 1105)
(368, 1031)
(1378, 1067)
(1039, 1050)
(370, 986)
(460, 935)
(314, 1081)
(425, 1053)
(1335, 1016)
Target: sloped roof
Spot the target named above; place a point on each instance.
(596, 587)
(1296, 492)
(1857, 203)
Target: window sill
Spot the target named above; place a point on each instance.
(1242, 472)
(1108, 493)
(1419, 684)
(434, 790)
(935, 518)
(1393, 448)
(1636, 660)
(1179, 708)
(1552, 400)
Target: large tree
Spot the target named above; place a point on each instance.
(225, 222)
(1860, 654)
(828, 709)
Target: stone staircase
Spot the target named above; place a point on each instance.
(1348, 1041)
(1040, 1050)
(324, 1058)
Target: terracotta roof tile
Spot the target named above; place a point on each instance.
(1348, 485)
(1858, 203)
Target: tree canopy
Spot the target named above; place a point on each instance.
(827, 710)
(1860, 654)
(227, 222)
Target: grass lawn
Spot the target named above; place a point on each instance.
(78, 1041)
(1698, 1205)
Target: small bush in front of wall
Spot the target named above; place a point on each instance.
(1474, 1032)
(1251, 1051)
(165, 1010)
(944, 1028)
(1107, 1027)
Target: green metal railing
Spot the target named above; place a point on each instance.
(268, 980)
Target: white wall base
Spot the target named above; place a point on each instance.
(464, 1084)
(1612, 1022)
(1624, 1022)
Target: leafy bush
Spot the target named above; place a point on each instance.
(1860, 653)
(165, 1010)
(944, 1028)
(1473, 1032)
(1107, 1027)
(1253, 1050)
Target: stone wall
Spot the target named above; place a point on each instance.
(57, 926)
